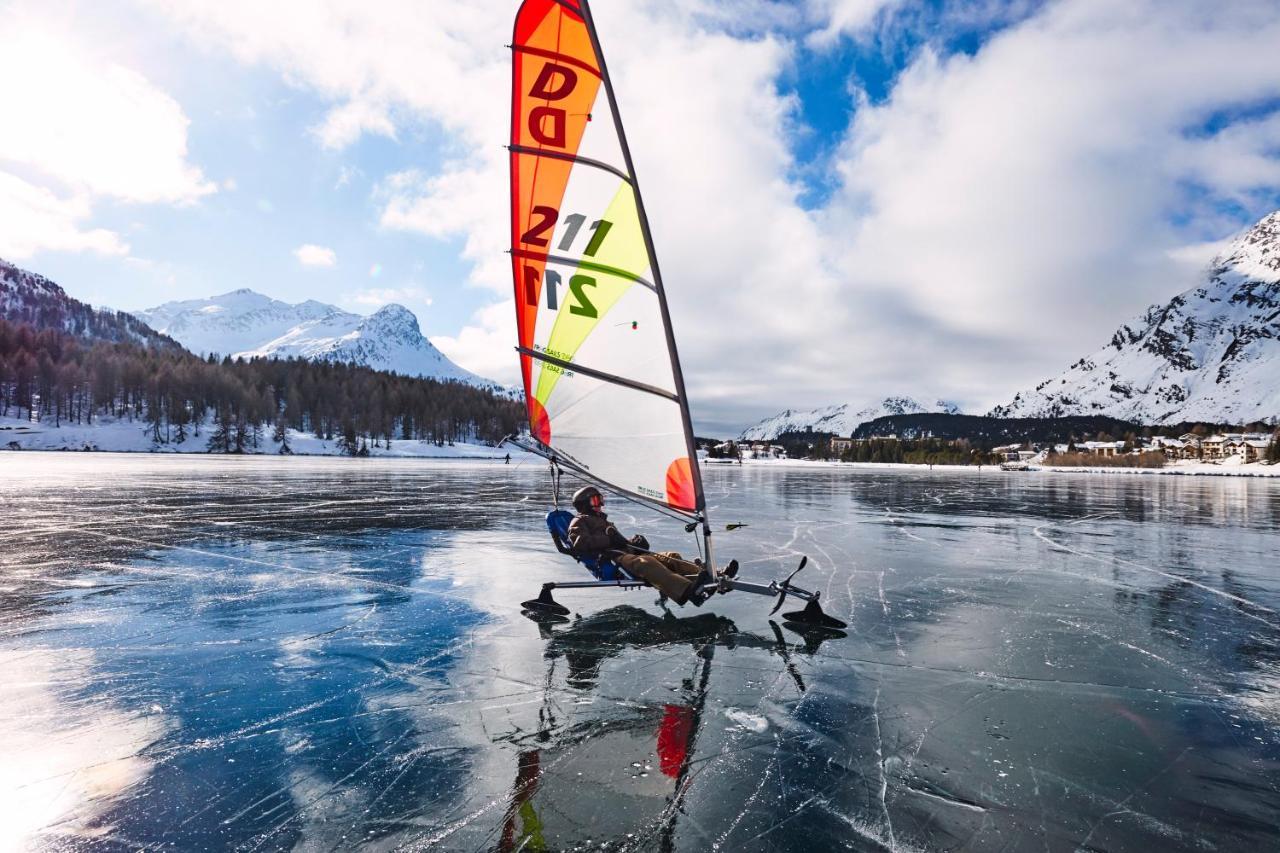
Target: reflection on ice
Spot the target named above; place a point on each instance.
(327, 654)
(64, 760)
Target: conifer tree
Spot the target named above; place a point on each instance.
(281, 436)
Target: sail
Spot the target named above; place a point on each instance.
(601, 378)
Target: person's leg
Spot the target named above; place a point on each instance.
(651, 570)
(675, 563)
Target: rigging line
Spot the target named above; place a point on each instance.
(599, 374)
(582, 263)
(569, 158)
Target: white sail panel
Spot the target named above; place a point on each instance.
(601, 379)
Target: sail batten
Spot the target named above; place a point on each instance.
(586, 161)
(599, 374)
(602, 379)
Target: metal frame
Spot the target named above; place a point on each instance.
(593, 584)
(771, 588)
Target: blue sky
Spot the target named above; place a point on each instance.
(941, 173)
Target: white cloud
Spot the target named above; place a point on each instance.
(376, 297)
(91, 124)
(345, 124)
(34, 219)
(430, 59)
(467, 200)
(311, 255)
(79, 128)
(485, 346)
(996, 217)
(843, 17)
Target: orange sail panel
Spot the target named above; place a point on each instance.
(601, 378)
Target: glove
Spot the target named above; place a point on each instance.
(640, 542)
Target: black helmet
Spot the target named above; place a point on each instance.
(587, 499)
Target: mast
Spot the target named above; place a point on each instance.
(701, 506)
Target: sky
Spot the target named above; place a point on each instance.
(851, 199)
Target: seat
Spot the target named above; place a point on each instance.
(602, 567)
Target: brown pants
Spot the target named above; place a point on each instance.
(668, 571)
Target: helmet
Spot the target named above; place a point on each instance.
(587, 499)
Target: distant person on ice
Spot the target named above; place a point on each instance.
(592, 535)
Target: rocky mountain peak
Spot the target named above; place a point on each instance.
(1211, 353)
(841, 419)
(246, 323)
(1255, 253)
(394, 315)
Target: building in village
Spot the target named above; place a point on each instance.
(1014, 452)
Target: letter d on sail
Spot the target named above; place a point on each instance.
(543, 88)
(546, 123)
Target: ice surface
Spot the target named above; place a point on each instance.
(316, 654)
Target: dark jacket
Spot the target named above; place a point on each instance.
(590, 535)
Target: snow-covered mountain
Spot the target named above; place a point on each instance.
(1210, 354)
(28, 297)
(839, 420)
(243, 323)
(232, 322)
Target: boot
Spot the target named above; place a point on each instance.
(730, 571)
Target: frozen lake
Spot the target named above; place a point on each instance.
(265, 654)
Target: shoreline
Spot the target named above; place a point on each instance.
(130, 437)
(123, 436)
(1195, 469)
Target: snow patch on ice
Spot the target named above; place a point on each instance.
(749, 721)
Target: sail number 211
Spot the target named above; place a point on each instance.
(545, 221)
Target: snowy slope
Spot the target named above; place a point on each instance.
(1211, 353)
(114, 435)
(27, 297)
(232, 322)
(243, 323)
(839, 420)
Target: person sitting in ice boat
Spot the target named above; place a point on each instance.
(591, 534)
